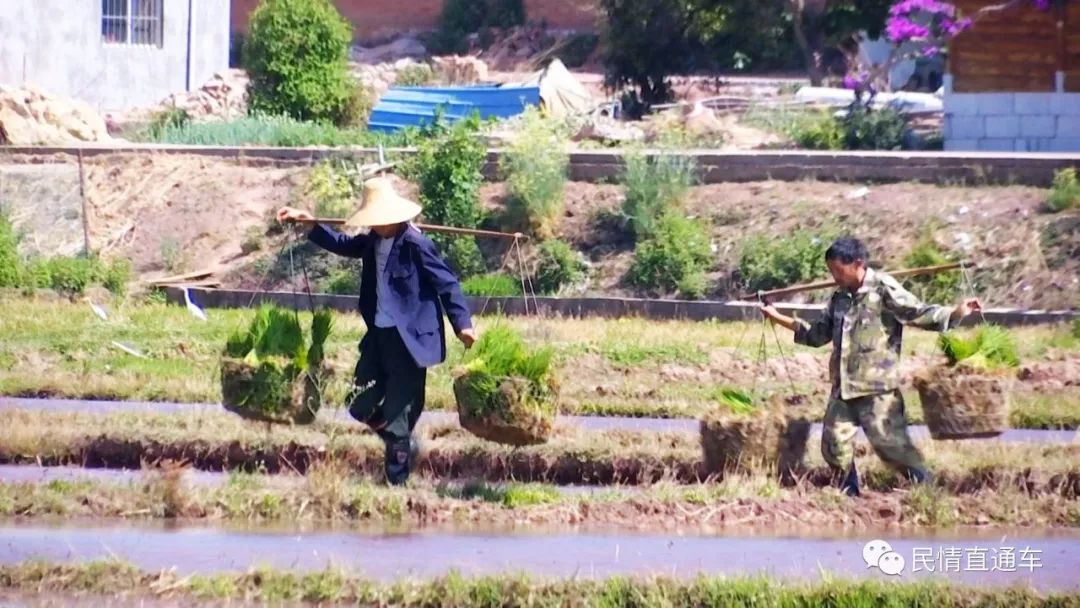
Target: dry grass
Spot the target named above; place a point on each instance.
(609, 367)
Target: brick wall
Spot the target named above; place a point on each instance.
(374, 19)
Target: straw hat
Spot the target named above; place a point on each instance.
(382, 206)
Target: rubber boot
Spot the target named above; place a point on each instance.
(397, 461)
(414, 451)
(920, 476)
(850, 484)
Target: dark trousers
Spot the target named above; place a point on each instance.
(388, 391)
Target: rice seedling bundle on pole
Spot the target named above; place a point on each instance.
(272, 372)
(505, 392)
(968, 397)
(745, 432)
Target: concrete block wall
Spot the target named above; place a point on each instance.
(1012, 122)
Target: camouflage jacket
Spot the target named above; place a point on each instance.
(866, 328)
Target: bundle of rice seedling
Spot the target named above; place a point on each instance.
(271, 372)
(968, 397)
(746, 432)
(504, 392)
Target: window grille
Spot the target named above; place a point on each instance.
(132, 22)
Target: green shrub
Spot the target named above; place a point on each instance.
(868, 129)
(645, 42)
(460, 18)
(558, 267)
(341, 281)
(9, 253)
(675, 258)
(1076, 328)
(535, 169)
(415, 75)
(938, 288)
(1065, 192)
(115, 275)
(817, 131)
(296, 53)
(72, 275)
(774, 262)
(447, 167)
(494, 285)
(576, 50)
(990, 347)
(655, 186)
(334, 185)
(462, 253)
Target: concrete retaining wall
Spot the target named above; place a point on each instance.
(975, 168)
(581, 307)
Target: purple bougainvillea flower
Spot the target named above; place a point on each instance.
(900, 29)
(1043, 5)
(907, 7)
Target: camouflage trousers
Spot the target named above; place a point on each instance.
(882, 419)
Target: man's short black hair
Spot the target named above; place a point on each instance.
(847, 250)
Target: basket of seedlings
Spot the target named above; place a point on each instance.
(968, 397)
(272, 372)
(745, 432)
(505, 392)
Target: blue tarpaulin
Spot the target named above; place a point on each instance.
(403, 107)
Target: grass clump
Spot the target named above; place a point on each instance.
(1065, 192)
(674, 259)
(938, 288)
(656, 185)
(505, 392)
(535, 168)
(991, 347)
(494, 285)
(771, 263)
(558, 267)
(271, 370)
(269, 130)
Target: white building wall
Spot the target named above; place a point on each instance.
(57, 46)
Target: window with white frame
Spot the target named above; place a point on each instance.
(134, 22)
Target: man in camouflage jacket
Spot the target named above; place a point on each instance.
(864, 322)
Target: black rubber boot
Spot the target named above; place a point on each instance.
(920, 476)
(397, 461)
(850, 484)
(414, 451)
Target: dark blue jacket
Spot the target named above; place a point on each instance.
(419, 280)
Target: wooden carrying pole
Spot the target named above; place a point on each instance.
(431, 228)
(910, 272)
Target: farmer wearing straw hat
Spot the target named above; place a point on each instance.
(405, 286)
(864, 322)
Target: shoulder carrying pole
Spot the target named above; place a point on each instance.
(433, 228)
(909, 272)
